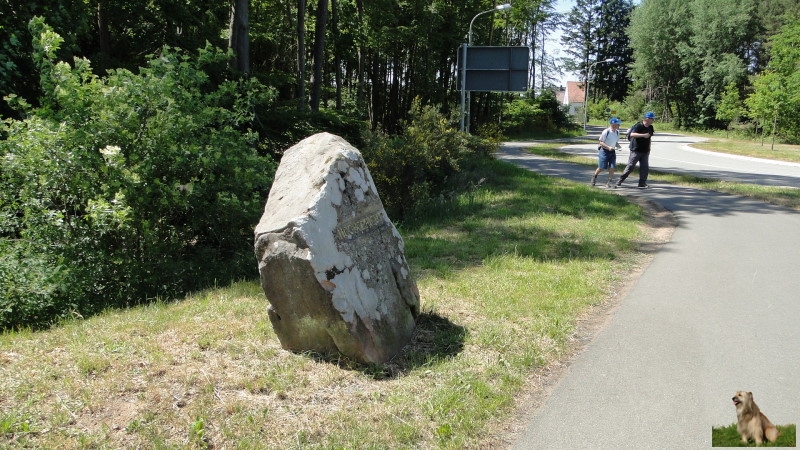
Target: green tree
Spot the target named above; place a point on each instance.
(723, 47)
(301, 54)
(544, 113)
(379, 54)
(785, 62)
(612, 80)
(661, 40)
(579, 36)
(730, 106)
(532, 22)
(773, 15)
(594, 31)
(124, 33)
(764, 104)
(320, 30)
(687, 52)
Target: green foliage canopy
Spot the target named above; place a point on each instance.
(730, 106)
(126, 187)
(688, 53)
(776, 91)
(724, 43)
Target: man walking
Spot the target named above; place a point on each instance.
(640, 135)
(606, 151)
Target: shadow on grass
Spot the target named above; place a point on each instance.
(435, 339)
(514, 213)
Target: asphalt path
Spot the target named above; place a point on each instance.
(673, 153)
(716, 311)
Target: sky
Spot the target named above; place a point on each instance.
(553, 43)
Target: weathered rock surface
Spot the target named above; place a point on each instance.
(332, 264)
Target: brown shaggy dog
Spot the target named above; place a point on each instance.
(752, 422)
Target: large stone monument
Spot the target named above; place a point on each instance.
(332, 264)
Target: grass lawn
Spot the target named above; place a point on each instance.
(509, 275)
(729, 437)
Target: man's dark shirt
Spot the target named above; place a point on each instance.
(641, 145)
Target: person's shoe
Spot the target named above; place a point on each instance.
(643, 186)
(610, 183)
(618, 184)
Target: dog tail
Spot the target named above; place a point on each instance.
(772, 433)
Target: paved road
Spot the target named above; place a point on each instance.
(715, 312)
(672, 153)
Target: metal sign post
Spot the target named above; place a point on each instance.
(463, 84)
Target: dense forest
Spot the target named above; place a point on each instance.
(139, 137)
(371, 59)
(367, 59)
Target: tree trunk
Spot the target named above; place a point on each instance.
(239, 40)
(319, 53)
(377, 93)
(361, 95)
(301, 55)
(394, 97)
(774, 128)
(104, 37)
(337, 59)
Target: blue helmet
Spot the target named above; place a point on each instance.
(615, 121)
(650, 115)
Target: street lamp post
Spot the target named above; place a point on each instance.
(464, 93)
(586, 91)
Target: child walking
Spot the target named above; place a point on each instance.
(606, 151)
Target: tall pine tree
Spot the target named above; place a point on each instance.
(594, 30)
(612, 80)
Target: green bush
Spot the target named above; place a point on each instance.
(521, 115)
(127, 187)
(30, 283)
(423, 162)
(597, 110)
(633, 107)
(528, 115)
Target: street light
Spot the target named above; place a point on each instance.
(502, 7)
(586, 92)
(464, 94)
